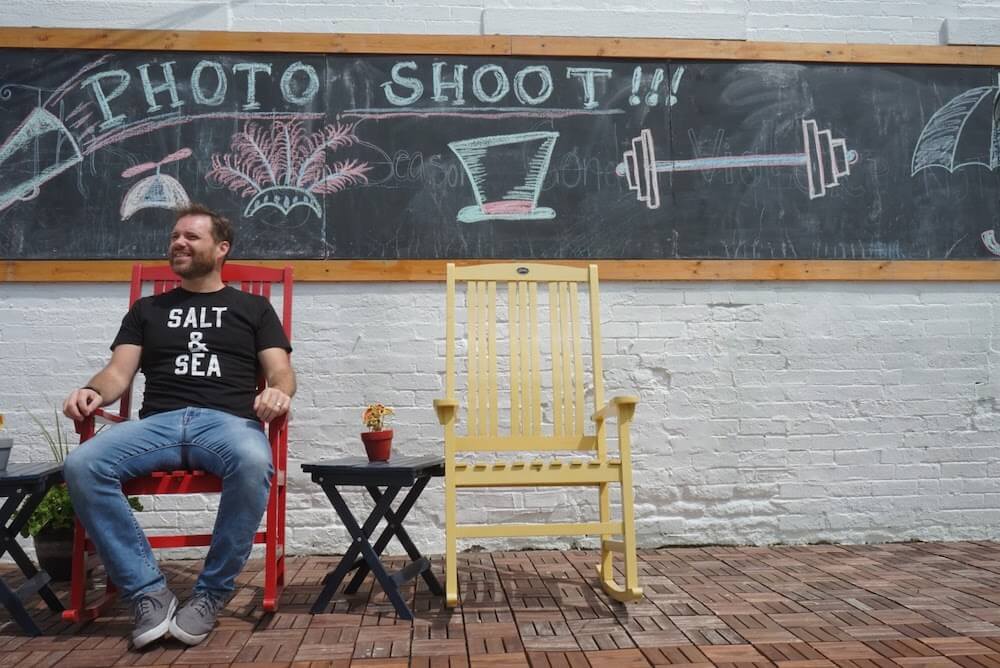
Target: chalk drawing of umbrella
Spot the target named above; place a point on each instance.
(160, 191)
(953, 138)
(945, 140)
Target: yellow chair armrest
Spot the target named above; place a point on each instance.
(616, 408)
(445, 409)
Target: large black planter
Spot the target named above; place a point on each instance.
(54, 552)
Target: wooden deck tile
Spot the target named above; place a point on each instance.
(619, 658)
(558, 660)
(681, 655)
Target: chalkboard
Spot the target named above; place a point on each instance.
(344, 156)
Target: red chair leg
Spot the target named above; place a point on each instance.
(78, 611)
(78, 576)
(274, 549)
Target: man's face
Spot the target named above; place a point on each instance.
(193, 251)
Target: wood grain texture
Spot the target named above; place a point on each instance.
(609, 47)
(363, 271)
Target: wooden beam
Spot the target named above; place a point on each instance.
(696, 49)
(265, 42)
(338, 271)
(486, 45)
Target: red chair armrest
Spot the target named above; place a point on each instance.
(110, 417)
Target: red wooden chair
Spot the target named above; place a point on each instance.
(258, 281)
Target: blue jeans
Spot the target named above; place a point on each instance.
(233, 448)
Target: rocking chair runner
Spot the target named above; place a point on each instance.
(524, 393)
(255, 280)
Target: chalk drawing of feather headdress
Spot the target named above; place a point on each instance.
(285, 167)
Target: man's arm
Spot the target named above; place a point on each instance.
(108, 385)
(276, 398)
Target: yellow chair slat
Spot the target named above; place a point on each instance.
(548, 529)
(557, 377)
(512, 474)
(575, 442)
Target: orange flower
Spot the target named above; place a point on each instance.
(374, 416)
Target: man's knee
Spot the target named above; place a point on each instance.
(245, 456)
(80, 466)
(255, 464)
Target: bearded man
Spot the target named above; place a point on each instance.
(201, 348)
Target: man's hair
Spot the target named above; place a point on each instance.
(222, 229)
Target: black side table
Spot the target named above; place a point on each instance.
(24, 487)
(398, 472)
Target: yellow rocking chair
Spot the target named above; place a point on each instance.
(514, 347)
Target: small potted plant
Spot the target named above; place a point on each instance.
(378, 439)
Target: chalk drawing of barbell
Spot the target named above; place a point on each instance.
(826, 160)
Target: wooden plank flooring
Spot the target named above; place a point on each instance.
(913, 604)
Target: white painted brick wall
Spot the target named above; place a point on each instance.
(770, 412)
(971, 31)
(852, 21)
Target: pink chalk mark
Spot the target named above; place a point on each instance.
(508, 206)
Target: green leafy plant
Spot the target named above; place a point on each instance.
(56, 509)
(58, 442)
(54, 512)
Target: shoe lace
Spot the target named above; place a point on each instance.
(206, 605)
(146, 605)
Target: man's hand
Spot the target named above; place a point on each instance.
(271, 403)
(82, 403)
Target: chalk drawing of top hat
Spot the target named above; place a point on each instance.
(504, 191)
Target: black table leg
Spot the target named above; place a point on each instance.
(394, 527)
(359, 544)
(37, 581)
(12, 601)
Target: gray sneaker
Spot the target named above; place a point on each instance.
(152, 613)
(196, 618)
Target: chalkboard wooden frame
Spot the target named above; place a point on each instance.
(433, 270)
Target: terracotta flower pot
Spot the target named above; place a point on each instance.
(377, 444)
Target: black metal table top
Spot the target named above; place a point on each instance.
(360, 471)
(16, 475)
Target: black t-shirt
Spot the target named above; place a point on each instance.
(200, 349)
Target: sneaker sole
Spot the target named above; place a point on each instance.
(157, 632)
(184, 636)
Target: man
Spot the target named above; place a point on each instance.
(200, 348)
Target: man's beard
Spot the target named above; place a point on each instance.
(199, 266)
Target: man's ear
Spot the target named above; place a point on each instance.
(224, 247)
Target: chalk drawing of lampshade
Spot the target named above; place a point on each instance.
(506, 172)
(37, 151)
(159, 191)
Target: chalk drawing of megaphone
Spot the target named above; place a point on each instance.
(37, 151)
